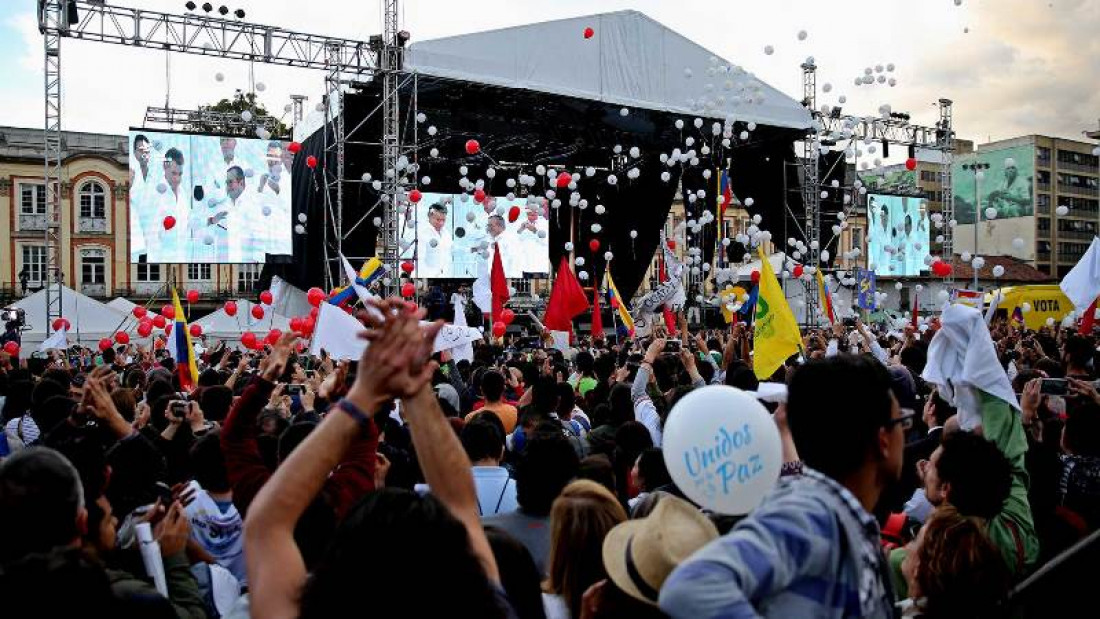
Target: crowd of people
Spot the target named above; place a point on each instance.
(531, 483)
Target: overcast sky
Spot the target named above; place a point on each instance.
(1025, 66)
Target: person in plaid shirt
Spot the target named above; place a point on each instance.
(811, 549)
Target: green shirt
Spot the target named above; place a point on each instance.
(1012, 530)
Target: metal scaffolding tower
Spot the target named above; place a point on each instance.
(811, 199)
(945, 141)
(222, 37)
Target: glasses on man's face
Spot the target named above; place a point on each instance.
(905, 420)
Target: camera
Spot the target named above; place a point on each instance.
(13, 317)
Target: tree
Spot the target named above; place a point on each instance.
(224, 118)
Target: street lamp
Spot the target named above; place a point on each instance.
(979, 172)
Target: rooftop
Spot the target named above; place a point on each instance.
(1016, 270)
(26, 143)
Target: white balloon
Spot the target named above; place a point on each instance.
(434, 152)
(568, 246)
(260, 87)
(898, 285)
(802, 34)
(246, 116)
(998, 270)
(990, 213)
(722, 449)
(633, 234)
(377, 221)
(749, 201)
(1026, 307)
(579, 261)
(432, 130)
(300, 229)
(1062, 210)
(624, 112)
(421, 117)
(219, 77)
(769, 50)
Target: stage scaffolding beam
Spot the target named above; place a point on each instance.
(810, 197)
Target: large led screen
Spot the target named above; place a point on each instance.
(1006, 186)
(898, 236)
(454, 236)
(208, 199)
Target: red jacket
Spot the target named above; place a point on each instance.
(349, 481)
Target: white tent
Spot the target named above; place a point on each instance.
(91, 320)
(288, 300)
(221, 326)
(632, 60)
(121, 304)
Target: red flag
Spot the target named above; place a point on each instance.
(916, 309)
(597, 319)
(1088, 319)
(499, 285)
(670, 322)
(567, 299)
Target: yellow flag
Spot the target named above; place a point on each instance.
(775, 332)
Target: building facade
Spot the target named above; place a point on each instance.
(1059, 173)
(94, 226)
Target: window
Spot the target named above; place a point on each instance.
(198, 272)
(1079, 159)
(1078, 181)
(34, 260)
(148, 272)
(1042, 154)
(93, 200)
(93, 266)
(1044, 224)
(1042, 177)
(32, 198)
(1042, 200)
(247, 276)
(928, 175)
(857, 239)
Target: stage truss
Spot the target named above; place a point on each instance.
(344, 61)
(892, 130)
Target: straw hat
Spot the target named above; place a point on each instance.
(640, 554)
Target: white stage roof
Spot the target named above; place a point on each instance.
(632, 60)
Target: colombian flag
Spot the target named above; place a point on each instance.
(826, 299)
(616, 302)
(181, 349)
(371, 272)
(726, 191)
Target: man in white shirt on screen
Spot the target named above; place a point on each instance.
(163, 244)
(434, 244)
(511, 255)
(273, 193)
(532, 238)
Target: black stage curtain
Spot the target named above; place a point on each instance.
(518, 130)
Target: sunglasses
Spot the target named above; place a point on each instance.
(905, 421)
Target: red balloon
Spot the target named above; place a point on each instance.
(307, 326)
(196, 330)
(158, 344)
(257, 312)
(671, 243)
(755, 277)
(311, 162)
(507, 316)
(230, 308)
(498, 329)
(13, 349)
(594, 245)
(248, 339)
(266, 297)
(589, 33)
(910, 164)
(192, 296)
(798, 270)
(407, 267)
(315, 296)
(168, 328)
(146, 327)
(61, 323)
(513, 214)
(479, 196)
(168, 312)
(159, 321)
(104, 344)
(122, 337)
(140, 312)
(408, 289)
(313, 313)
(415, 195)
(296, 324)
(294, 147)
(472, 147)
(273, 336)
(169, 222)
(564, 179)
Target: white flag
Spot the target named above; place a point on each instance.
(337, 333)
(462, 351)
(1082, 283)
(57, 341)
